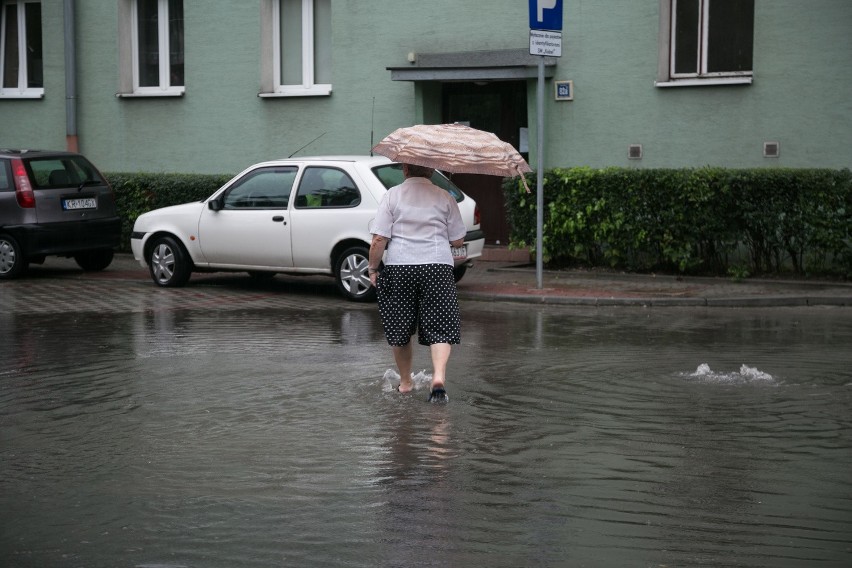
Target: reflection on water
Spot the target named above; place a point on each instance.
(574, 438)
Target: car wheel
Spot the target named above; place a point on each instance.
(12, 261)
(459, 271)
(94, 260)
(169, 263)
(350, 272)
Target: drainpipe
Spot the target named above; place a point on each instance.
(71, 141)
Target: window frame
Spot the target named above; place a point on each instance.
(666, 76)
(6, 175)
(129, 53)
(250, 178)
(271, 37)
(325, 193)
(18, 92)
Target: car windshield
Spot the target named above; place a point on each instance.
(391, 175)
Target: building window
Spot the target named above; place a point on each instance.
(707, 41)
(21, 58)
(158, 57)
(151, 48)
(298, 40)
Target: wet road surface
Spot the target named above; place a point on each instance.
(232, 423)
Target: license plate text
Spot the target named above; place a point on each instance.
(459, 252)
(80, 203)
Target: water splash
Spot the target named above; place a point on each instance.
(390, 380)
(746, 375)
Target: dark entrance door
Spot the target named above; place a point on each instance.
(499, 107)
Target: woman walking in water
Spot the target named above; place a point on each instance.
(417, 222)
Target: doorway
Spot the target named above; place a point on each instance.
(495, 106)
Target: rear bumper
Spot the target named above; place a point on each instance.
(475, 241)
(68, 238)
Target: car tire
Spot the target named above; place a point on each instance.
(94, 260)
(169, 263)
(13, 264)
(459, 272)
(350, 273)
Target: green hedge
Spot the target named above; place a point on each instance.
(137, 193)
(698, 221)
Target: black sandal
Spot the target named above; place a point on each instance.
(438, 394)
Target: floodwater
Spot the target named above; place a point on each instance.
(242, 437)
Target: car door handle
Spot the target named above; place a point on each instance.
(278, 219)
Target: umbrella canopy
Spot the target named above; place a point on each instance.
(453, 148)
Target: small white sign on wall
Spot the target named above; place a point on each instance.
(545, 43)
(564, 90)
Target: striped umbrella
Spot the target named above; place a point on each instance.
(453, 148)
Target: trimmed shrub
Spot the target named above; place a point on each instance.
(137, 193)
(699, 221)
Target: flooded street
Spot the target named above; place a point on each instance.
(181, 430)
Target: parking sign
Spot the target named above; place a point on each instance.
(546, 15)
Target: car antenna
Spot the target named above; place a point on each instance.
(306, 145)
(372, 116)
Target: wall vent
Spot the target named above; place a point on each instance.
(771, 149)
(634, 152)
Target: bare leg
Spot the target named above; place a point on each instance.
(440, 356)
(403, 357)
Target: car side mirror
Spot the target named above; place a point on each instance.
(215, 205)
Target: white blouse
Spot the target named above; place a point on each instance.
(420, 219)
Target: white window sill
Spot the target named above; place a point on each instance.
(16, 94)
(298, 91)
(705, 82)
(145, 93)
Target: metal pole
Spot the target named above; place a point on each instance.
(539, 221)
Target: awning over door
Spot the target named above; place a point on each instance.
(494, 65)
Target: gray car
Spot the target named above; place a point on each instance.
(54, 204)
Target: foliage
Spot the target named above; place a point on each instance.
(705, 220)
(137, 193)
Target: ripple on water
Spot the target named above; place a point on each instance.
(574, 437)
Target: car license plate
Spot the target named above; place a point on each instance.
(459, 252)
(80, 203)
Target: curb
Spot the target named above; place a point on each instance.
(758, 302)
(663, 278)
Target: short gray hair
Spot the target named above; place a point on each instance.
(413, 170)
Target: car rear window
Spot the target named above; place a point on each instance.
(62, 171)
(391, 175)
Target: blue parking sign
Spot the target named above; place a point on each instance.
(546, 15)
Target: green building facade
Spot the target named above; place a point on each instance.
(212, 87)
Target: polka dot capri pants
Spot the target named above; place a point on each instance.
(419, 298)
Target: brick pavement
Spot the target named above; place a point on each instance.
(487, 280)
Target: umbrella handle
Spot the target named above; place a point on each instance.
(523, 179)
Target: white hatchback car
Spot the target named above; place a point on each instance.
(297, 216)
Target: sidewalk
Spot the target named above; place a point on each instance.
(513, 281)
(516, 281)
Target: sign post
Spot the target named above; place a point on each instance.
(545, 41)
